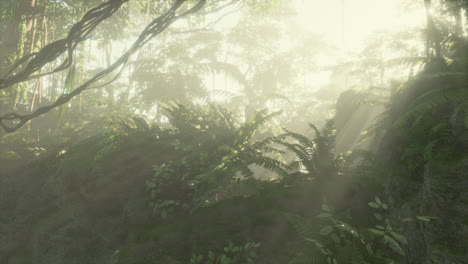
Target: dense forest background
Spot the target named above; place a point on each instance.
(233, 132)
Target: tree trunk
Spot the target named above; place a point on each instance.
(433, 38)
(24, 18)
(30, 13)
(457, 14)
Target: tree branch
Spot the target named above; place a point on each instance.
(157, 26)
(79, 32)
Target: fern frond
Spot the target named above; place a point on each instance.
(229, 69)
(226, 117)
(405, 61)
(324, 148)
(303, 140)
(268, 141)
(438, 75)
(221, 93)
(263, 118)
(294, 166)
(273, 165)
(305, 158)
(328, 129)
(303, 228)
(316, 130)
(272, 150)
(429, 101)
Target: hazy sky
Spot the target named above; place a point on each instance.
(347, 28)
(361, 17)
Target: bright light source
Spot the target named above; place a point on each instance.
(347, 23)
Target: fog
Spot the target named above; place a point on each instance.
(233, 132)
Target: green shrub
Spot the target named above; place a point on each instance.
(231, 255)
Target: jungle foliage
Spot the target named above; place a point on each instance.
(172, 169)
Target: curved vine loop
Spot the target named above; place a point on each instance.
(78, 33)
(156, 26)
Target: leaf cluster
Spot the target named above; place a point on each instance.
(213, 153)
(231, 255)
(332, 239)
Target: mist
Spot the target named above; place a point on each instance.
(233, 132)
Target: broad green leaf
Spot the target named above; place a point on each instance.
(407, 219)
(376, 232)
(326, 230)
(424, 218)
(399, 237)
(378, 216)
(377, 199)
(394, 245)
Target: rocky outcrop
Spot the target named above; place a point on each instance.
(442, 195)
(438, 189)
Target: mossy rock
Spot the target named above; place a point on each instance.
(443, 195)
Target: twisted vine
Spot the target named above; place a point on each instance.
(79, 32)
